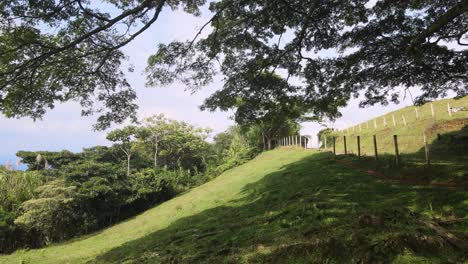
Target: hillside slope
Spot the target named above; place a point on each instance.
(410, 124)
(446, 135)
(285, 206)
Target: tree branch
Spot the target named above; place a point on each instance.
(440, 22)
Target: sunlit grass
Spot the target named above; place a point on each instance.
(285, 206)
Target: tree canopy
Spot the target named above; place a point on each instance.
(328, 51)
(57, 51)
(266, 101)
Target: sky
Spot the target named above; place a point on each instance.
(64, 127)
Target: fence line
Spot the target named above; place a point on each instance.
(414, 147)
(423, 112)
(297, 140)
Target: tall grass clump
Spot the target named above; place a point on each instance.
(17, 187)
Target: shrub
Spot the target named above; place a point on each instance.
(17, 187)
(56, 214)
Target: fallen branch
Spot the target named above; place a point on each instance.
(445, 234)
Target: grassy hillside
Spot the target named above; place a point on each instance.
(285, 206)
(446, 136)
(410, 136)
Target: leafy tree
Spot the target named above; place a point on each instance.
(234, 147)
(326, 51)
(153, 185)
(54, 159)
(125, 139)
(102, 154)
(55, 214)
(155, 129)
(56, 51)
(264, 101)
(222, 141)
(175, 144)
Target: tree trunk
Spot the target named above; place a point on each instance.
(264, 143)
(269, 143)
(156, 155)
(128, 164)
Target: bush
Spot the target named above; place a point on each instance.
(56, 214)
(153, 185)
(9, 234)
(17, 187)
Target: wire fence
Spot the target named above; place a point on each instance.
(445, 141)
(429, 113)
(433, 131)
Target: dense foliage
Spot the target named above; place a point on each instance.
(60, 50)
(326, 52)
(265, 102)
(64, 194)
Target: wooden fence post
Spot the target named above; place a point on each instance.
(417, 113)
(375, 148)
(432, 109)
(325, 142)
(345, 148)
(393, 118)
(426, 149)
(404, 119)
(384, 121)
(449, 109)
(397, 154)
(334, 145)
(359, 147)
(375, 123)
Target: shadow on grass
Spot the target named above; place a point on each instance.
(311, 211)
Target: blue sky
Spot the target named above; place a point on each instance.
(64, 128)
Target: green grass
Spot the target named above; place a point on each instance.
(448, 154)
(410, 137)
(285, 206)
